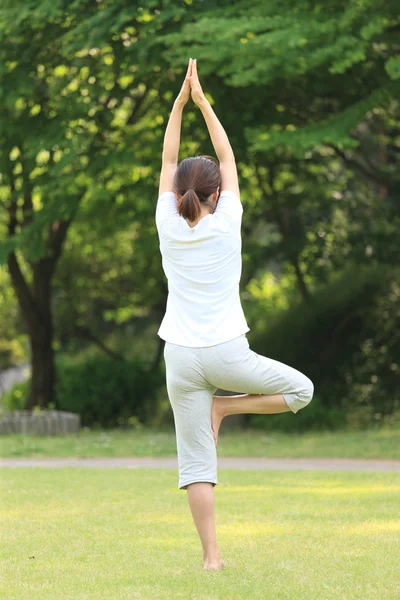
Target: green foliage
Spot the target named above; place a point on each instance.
(314, 417)
(12, 339)
(345, 339)
(313, 70)
(15, 398)
(393, 67)
(106, 392)
(103, 391)
(12, 352)
(336, 129)
(80, 117)
(86, 90)
(372, 372)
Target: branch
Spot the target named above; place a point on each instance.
(29, 308)
(353, 162)
(27, 207)
(86, 334)
(21, 288)
(23, 293)
(137, 106)
(57, 234)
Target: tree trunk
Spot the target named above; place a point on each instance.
(35, 305)
(42, 382)
(291, 255)
(277, 212)
(301, 284)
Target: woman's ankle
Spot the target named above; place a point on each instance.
(211, 554)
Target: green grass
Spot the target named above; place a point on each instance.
(128, 534)
(384, 443)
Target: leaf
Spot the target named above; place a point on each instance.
(392, 67)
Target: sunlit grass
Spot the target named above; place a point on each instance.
(252, 443)
(122, 534)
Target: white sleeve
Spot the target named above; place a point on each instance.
(166, 208)
(229, 205)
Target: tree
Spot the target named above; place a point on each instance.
(307, 93)
(311, 82)
(78, 115)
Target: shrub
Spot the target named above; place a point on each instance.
(313, 417)
(346, 340)
(105, 392)
(15, 397)
(12, 352)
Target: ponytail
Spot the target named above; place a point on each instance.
(195, 179)
(189, 205)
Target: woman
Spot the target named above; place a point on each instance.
(198, 219)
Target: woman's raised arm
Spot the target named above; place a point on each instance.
(219, 138)
(172, 136)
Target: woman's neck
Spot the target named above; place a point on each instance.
(205, 210)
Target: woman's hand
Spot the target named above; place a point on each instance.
(198, 96)
(184, 94)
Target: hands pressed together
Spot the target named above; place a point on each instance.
(191, 85)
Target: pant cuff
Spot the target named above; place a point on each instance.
(291, 402)
(182, 485)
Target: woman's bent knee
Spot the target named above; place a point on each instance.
(306, 393)
(309, 390)
(302, 396)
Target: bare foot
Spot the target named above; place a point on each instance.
(217, 414)
(214, 565)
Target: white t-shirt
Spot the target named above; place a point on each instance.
(203, 266)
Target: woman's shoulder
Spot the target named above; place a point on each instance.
(229, 205)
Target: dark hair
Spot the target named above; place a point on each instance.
(195, 179)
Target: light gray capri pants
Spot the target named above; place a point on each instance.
(195, 374)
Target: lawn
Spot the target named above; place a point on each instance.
(383, 443)
(118, 534)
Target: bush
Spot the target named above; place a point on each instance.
(314, 416)
(346, 340)
(15, 397)
(105, 392)
(12, 352)
(372, 373)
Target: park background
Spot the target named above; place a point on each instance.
(308, 93)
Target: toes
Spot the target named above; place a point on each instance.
(215, 567)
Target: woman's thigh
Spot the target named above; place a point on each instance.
(190, 396)
(235, 367)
